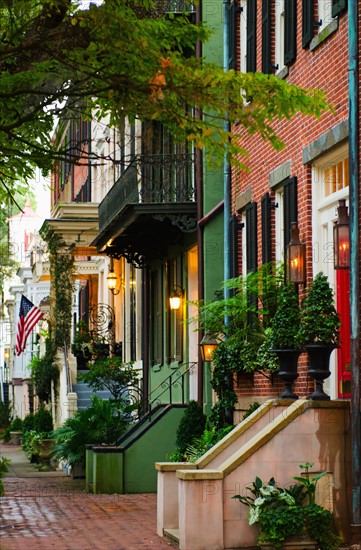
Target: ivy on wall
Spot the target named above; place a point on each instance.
(61, 271)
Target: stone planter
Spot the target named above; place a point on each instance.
(15, 438)
(44, 450)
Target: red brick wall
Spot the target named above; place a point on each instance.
(324, 68)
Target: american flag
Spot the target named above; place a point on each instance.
(29, 315)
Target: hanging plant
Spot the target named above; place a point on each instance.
(61, 271)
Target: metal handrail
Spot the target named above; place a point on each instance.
(168, 384)
(69, 386)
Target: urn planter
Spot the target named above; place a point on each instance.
(288, 360)
(319, 368)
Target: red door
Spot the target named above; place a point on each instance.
(343, 353)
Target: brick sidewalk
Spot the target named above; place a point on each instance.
(48, 510)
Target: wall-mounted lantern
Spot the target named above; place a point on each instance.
(341, 238)
(112, 279)
(208, 347)
(296, 257)
(175, 297)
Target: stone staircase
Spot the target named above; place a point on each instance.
(84, 393)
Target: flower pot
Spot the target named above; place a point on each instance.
(288, 359)
(319, 368)
(15, 438)
(294, 543)
(45, 449)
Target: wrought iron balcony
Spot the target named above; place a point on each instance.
(180, 6)
(150, 180)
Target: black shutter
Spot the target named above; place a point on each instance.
(307, 22)
(251, 36)
(234, 246)
(338, 6)
(157, 336)
(232, 35)
(290, 208)
(266, 229)
(290, 31)
(251, 237)
(266, 37)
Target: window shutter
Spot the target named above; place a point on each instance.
(234, 246)
(251, 36)
(266, 37)
(290, 31)
(232, 35)
(307, 22)
(251, 237)
(338, 6)
(157, 336)
(290, 208)
(266, 229)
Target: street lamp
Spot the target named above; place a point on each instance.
(296, 257)
(341, 237)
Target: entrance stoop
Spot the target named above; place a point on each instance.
(196, 499)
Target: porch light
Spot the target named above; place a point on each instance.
(112, 279)
(296, 257)
(341, 238)
(175, 297)
(208, 347)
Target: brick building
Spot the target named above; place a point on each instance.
(306, 44)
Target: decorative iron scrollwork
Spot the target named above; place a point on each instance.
(102, 322)
(184, 222)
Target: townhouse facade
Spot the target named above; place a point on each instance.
(305, 44)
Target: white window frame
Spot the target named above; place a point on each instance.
(243, 36)
(280, 35)
(324, 14)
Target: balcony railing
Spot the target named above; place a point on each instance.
(150, 179)
(180, 6)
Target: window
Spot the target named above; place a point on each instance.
(232, 34)
(266, 229)
(336, 177)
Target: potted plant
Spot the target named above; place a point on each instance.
(283, 338)
(319, 331)
(82, 346)
(289, 518)
(16, 427)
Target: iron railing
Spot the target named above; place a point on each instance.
(150, 179)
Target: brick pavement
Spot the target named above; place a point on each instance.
(47, 510)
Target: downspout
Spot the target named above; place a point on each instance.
(354, 268)
(227, 196)
(199, 198)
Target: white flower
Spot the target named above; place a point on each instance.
(253, 516)
(258, 501)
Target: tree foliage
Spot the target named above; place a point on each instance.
(122, 58)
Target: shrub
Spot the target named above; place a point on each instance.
(104, 422)
(16, 425)
(191, 425)
(29, 422)
(43, 422)
(4, 467)
(110, 373)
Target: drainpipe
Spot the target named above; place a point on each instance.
(227, 194)
(354, 268)
(199, 195)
